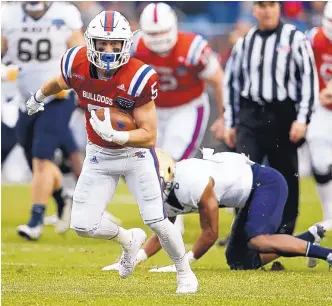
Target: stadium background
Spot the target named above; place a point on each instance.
(222, 23)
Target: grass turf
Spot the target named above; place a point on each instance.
(65, 270)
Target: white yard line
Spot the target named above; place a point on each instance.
(32, 264)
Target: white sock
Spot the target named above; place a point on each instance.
(123, 237)
(325, 194)
(171, 240)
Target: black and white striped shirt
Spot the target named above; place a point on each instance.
(270, 67)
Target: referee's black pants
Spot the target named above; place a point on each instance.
(264, 131)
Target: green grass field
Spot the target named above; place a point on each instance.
(65, 270)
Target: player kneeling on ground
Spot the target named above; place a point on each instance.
(103, 75)
(232, 180)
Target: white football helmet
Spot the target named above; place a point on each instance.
(108, 25)
(166, 169)
(159, 24)
(327, 20)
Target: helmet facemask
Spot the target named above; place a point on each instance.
(161, 42)
(166, 178)
(107, 60)
(166, 171)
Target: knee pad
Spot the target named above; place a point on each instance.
(323, 178)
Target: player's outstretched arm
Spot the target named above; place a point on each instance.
(209, 219)
(52, 86)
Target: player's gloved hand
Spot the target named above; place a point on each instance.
(105, 130)
(141, 256)
(35, 103)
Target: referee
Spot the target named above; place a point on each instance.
(270, 88)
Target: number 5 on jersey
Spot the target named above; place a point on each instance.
(154, 91)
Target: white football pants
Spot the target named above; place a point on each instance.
(101, 171)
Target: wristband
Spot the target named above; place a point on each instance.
(120, 137)
(39, 97)
(191, 257)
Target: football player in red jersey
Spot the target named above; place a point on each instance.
(319, 135)
(103, 74)
(184, 63)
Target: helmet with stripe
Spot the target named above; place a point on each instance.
(108, 25)
(327, 20)
(159, 24)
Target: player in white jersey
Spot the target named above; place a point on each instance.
(232, 180)
(35, 35)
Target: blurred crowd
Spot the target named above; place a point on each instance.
(222, 22)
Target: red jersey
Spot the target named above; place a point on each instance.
(133, 85)
(322, 48)
(178, 71)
